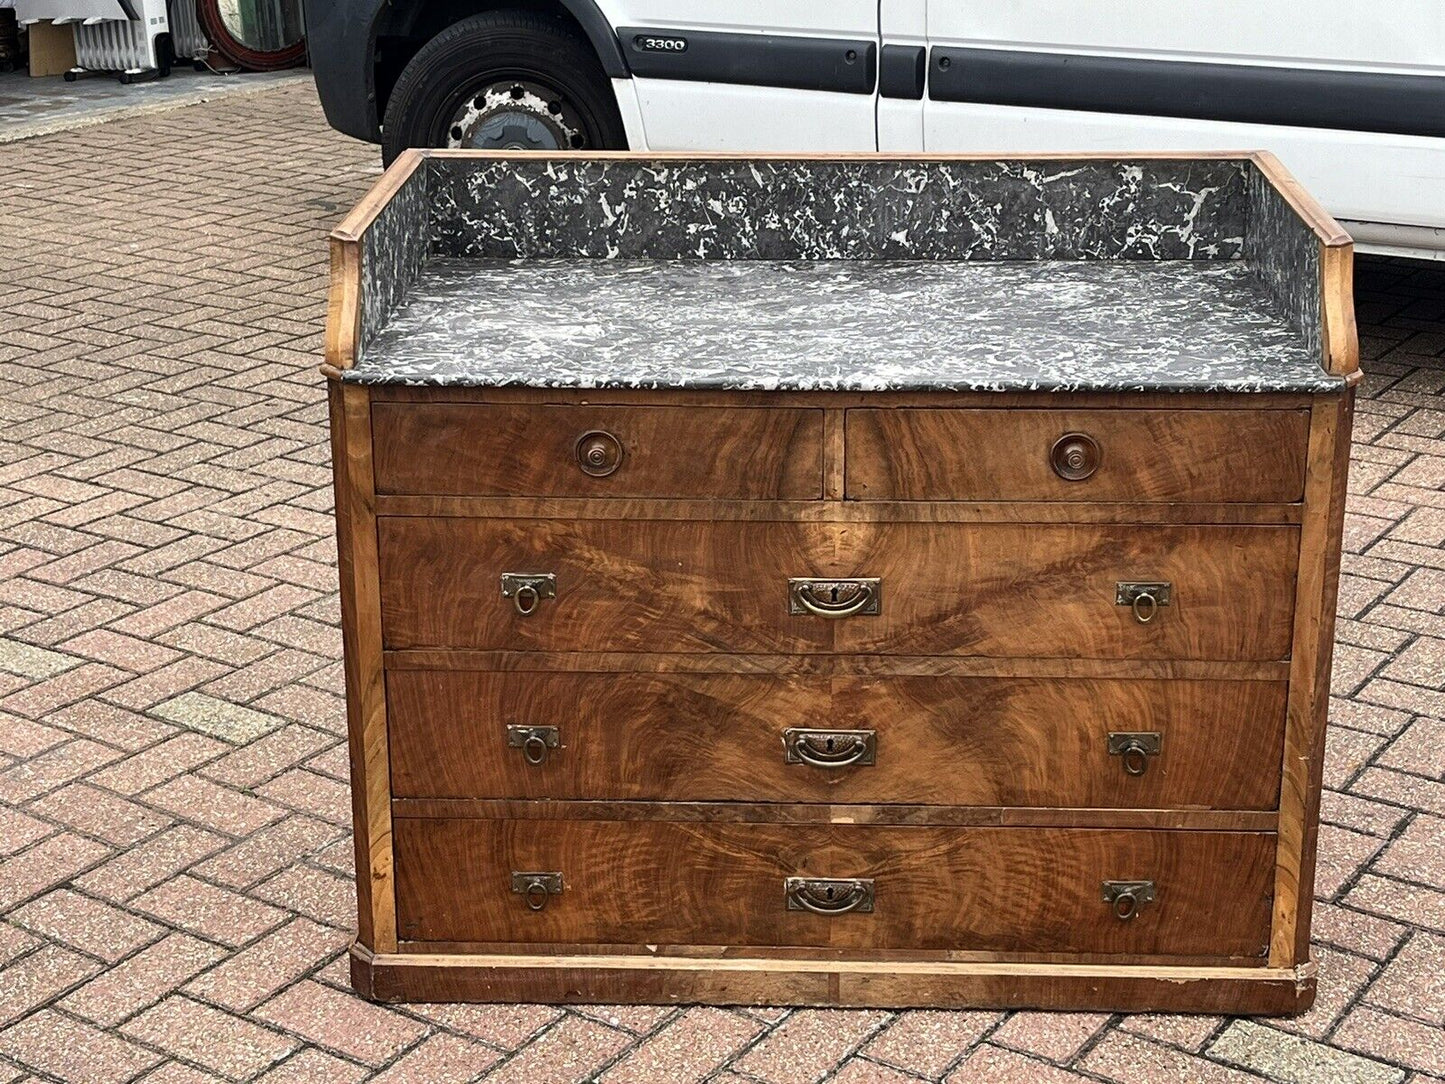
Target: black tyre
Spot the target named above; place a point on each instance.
(504, 80)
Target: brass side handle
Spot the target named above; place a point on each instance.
(835, 598)
(1143, 597)
(1135, 748)
(599, 453)
(1125, 898)
(534, 741)
(829, 748)
(1075, 456)
(537, 888)
(829, 895)
(528, 589)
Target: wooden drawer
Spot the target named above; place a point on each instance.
(990, 889)
(1142, 455)
(502, 450)
(966, 589)
(935, 740)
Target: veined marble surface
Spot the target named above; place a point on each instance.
(847, 325)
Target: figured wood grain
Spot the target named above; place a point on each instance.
(1000, 889)
(1308, 707)
(941, 741)
(812, 511)
(653, 662)
(771, 980)
(992, 590)
(669, 451)
(343, 307)
(977, 816)
(1145, 455)
(362, 664)
(1337, 310)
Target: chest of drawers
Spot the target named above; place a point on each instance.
(838, 582)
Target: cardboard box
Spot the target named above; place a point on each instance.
(52, 48)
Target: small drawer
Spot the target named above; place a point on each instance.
(502, 450)
(1104, 591)
(1038, 890)
(947, 741)
(1076, 455)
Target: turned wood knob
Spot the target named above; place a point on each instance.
(599, 453)
(1075, 456)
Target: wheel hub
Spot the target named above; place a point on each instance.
(515, 116)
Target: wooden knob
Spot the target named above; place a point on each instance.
(599, 453)
(1075, 456)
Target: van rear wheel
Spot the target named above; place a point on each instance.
(504, 80)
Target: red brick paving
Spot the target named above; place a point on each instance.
(173, 899)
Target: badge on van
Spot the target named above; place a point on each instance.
(650, 44)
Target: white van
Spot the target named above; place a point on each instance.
(1350, 95)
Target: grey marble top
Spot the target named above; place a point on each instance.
(845, 325)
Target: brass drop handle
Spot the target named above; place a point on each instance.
(1143, 598)
(534, 741)
(536, 889)
(829, 748)
(835, 598)
(1135, 749)
(1075, 456)
(528, 589)
(829, 895)
(599, 453)
(1125, 898)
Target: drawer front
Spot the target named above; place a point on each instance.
(763, 738)
(946, 589)
(500, 450)
(988, 889)
(1076, 455)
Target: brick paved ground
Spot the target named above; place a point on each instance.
(173, 797)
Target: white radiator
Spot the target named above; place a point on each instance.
(113, 35)
(186, 35)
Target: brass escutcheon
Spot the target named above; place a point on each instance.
(861, 595)
(829, 748)
(829, 895)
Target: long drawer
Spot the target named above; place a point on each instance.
(1076, 455)
(763, 738)
(1019, 590)
(476, 449)
(989, 889)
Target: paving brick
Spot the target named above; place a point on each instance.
(73, 1051)
(209, 911)
(19, 830)
(341, 1022)
(859, 1070)
(99, 929)
(134, 871)
(311, 1066)
(928, 1042)
(1122, 1057)
(690, 1048)
(569, 1052)
(229, 722)
(1415, 855)
(1055, 1036)
(52, 861)
(314, 892)
(39, 978)
(995, 1065)
(99, 813)
(1412, 904)
(1420, 749)
(271, 964)
(809, 1045)
(1390, 1038)
(142, 980)
(1294, 1060)
(1413, 984)
(440, 1059)
(1341, 978)
(217, 1040)
(153, 766)
(506, 1027)
(213, 806)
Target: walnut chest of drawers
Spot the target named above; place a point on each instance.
(847, 581)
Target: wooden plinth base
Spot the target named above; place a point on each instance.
(857, 983)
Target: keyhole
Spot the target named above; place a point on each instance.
(829, 744)
(829, 892)
(833, 593)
